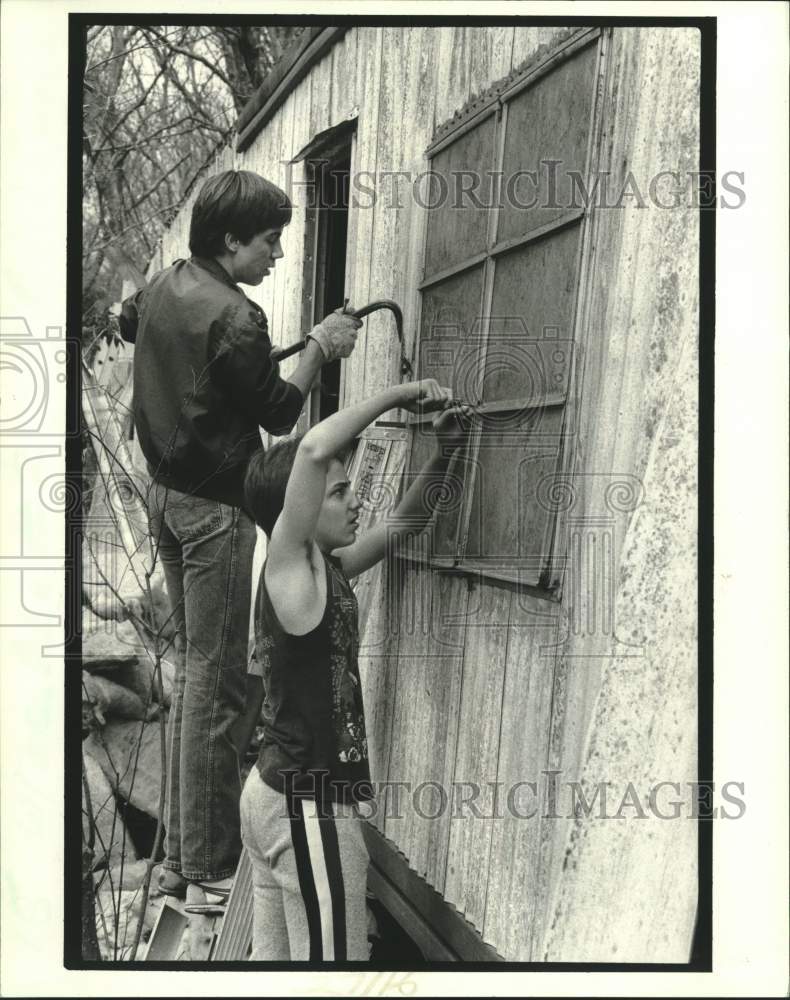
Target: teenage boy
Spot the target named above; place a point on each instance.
(299, 822)
(204, 384)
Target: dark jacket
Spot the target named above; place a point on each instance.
(203, 379)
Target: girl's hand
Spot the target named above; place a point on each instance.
(425, 396)
(453, 425)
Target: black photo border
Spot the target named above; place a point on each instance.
(701, 952)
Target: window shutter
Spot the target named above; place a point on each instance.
(457, 228)
(498, 309)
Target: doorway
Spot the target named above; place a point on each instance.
(328, 174)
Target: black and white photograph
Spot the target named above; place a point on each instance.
(391, 359)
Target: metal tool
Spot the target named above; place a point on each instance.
(278, 354)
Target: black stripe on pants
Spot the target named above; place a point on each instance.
(317, 854)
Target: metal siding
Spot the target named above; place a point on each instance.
(466, 878)
(526, 712)
(368, 82)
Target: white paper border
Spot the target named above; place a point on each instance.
(751, 688)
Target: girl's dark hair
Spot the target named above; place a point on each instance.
(266, 480)
(238, 202)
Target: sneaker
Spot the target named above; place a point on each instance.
(172, 883)
(208, 898)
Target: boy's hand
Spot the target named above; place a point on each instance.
(425, 396)
(336, 334)
(452, 426)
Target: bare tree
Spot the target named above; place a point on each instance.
(158, 102)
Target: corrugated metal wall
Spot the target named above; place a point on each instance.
(481, 683)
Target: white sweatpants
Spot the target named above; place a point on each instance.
(309, 877)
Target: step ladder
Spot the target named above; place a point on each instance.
(230, 935)
(234, 939)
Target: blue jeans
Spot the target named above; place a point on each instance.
(206, 549)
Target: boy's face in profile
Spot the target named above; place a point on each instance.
(255, 259)
(339, 518)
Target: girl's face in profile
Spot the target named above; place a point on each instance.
(339, 518)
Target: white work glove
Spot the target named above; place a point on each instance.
(336, 334)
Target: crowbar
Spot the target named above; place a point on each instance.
(279, 353)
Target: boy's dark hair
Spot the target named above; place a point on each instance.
(266, 480)
(239, 202)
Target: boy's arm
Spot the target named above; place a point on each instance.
(130, 316)
(243, 726)
(415, 509)
(294, 531)
(241, 364)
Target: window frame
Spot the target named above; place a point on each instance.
(544, 580)
(321, 155)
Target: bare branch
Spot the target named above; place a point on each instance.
(147, 194)
(138, 104)
(192, 55)
(136, 225)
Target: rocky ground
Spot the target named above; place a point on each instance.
(124, 724)
(122, 751)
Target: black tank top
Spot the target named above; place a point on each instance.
(313, 719)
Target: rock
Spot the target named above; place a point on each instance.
(197, 939)
(128, 594)
(162, 610)
(139, 677)
(91, 622)
(115, 748)
(136, 677)
(154, 612)
(92, 717)
(110, 699)
(110, 892)
(168, 681)
(109, 576)
(132, 876)
(115, 644)
(103, 603)
(114, 648)
(110, 834)
(124, 906)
